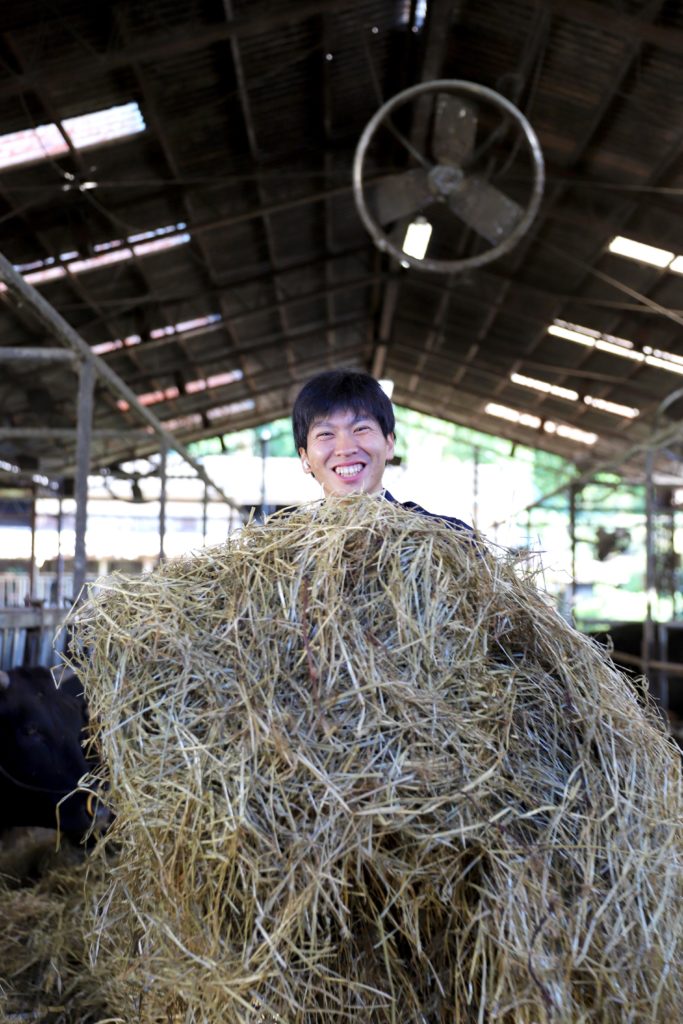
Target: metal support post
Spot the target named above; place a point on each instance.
(86, 392)
(475, 487)
(59, 578)
(32, 582)
(573, 493)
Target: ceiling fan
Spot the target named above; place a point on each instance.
(472, 137)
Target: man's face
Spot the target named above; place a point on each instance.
(347, 453)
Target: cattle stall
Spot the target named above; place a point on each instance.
(30, 636)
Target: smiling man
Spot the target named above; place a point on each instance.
(344, 433)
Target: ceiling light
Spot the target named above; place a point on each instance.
(417, 238)
(641, 252)
(613, 407)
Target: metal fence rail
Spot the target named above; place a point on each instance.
(27, 636)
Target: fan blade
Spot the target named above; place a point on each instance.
(400, 195)
(454, 131)
(485, 209)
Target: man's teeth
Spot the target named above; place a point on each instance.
(349, 470)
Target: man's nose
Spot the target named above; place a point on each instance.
(346, 443)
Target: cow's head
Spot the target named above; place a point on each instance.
(42, 729)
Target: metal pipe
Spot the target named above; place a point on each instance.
(26, 295)
(12, 354)
(86, 396)
(162, 500)
(65, 433)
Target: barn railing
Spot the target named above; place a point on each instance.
(27, 636)
(15, 589)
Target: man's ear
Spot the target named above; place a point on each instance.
(304, 461)
(391, 441)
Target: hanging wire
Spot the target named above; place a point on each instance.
(576, 261)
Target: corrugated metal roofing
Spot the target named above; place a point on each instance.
(253, 110)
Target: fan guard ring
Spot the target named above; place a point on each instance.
(445, 180)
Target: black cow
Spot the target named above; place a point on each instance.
(41, 754)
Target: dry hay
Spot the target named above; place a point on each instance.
(46, 974)
(364, 772)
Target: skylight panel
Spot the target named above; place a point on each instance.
(572, 334)
(619, 350)
(193, 419)
(41, 276)
(504, 412)
(34, 144)
(105, 259)
(31, 145)
(570, 433)
(594, 339)
(218, 380)
(677, 265)
(664, 364)
(669, 357)
(612, 407)
(544, 386)
(617, 346)
(231, 409)
(641, 252)
(151, 398)
(185, 326)
(168, 330)
(168, 229)
(159, 244)
(114, 251)
(167, 394)
(104, 125)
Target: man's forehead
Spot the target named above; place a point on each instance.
(344, 415)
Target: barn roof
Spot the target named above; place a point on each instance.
(212, 255)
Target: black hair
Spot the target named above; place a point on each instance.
(340, 389)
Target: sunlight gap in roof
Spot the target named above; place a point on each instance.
(217, 380)
(46, 141)
(617, 346)
(526, 419)
(197, 324)
(115, 251)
